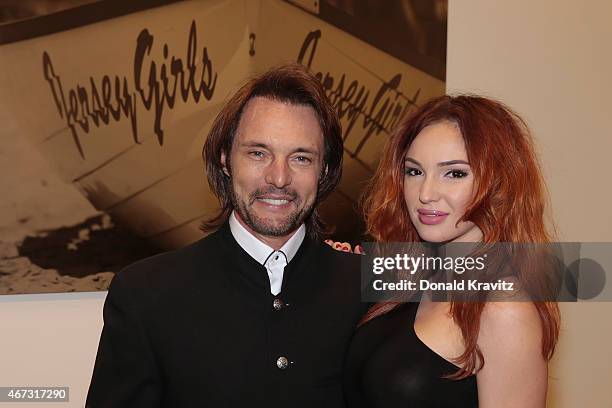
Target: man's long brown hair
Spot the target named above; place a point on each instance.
(289, 83)
(508, 204)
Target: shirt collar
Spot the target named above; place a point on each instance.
(259, 250)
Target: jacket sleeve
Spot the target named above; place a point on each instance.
(125, 373)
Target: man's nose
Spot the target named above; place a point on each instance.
(278, 173)
(429, 191)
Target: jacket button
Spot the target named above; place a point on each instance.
(282, 363)
(277, 304)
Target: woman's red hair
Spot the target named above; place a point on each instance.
(508, 206)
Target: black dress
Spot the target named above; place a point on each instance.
(389, 366)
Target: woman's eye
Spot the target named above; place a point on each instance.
(411, 171)
(457, 174)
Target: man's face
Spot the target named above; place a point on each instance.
(275, 164)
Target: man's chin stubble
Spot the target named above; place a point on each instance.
(263, 227)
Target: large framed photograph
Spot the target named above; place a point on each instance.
(107, 104)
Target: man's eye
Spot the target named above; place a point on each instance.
(257, 154)
(457, 174)
(411, 171)
(303, 159)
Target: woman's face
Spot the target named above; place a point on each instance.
(438, 185)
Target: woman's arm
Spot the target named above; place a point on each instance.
(515, 373)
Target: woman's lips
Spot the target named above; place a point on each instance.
(431, 217)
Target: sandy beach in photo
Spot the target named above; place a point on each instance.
(51, 237)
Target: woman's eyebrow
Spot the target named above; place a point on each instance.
(410, 159)
(451, 162)
(441, 164)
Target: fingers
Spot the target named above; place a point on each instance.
(344, 246)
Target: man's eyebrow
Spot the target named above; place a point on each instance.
(441, 164)
(306, 150)
(255, 144)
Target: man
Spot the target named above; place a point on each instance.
(260, 312)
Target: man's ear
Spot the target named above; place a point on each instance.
(224, 164)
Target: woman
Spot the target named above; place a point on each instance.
(459, 169)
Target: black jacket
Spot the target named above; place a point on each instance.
(198, 327)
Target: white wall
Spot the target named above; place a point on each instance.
(551, 61)
(50, 340)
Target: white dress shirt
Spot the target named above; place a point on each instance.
(274, 261)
